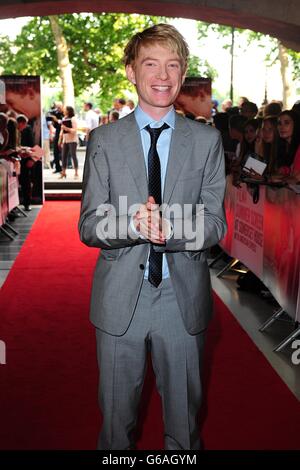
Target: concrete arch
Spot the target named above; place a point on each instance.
(275, 17)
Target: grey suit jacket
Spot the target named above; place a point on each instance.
(195, 174)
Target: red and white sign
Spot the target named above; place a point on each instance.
(248, 232)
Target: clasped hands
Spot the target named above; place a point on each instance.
(149, 223)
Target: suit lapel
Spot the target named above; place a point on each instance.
(132, 149)
(180, 149)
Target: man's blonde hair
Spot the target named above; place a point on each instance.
(163, 34)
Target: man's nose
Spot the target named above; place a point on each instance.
(162, 73)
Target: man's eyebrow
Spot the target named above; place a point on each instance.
(148, 58)
(155, 59)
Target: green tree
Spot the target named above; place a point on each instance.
(63, 60)
(94, 43)
(274, 50)
(200, 68)
(228, 34)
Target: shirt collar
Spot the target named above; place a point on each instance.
(144, 119)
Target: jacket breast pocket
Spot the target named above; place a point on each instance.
(191, 175)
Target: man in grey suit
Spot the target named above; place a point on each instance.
(153, 202)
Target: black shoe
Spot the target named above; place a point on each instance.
(56, 171)
(27, 208)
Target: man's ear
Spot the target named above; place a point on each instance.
(183, 77)
(130, 73)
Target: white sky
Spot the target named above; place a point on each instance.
(249, 70)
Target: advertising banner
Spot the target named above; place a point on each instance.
(265, 237)
(229, 204)
(248, 230)
(195, 97)
(282, 246)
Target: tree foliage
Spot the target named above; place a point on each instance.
(268, 43)
(200, 68)
(95, 41)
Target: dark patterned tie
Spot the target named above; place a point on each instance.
(154, 187)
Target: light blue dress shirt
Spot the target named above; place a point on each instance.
(163, 147)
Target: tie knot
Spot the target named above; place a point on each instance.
(156, 131)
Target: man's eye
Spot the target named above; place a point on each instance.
(173, 65)
(150, 64)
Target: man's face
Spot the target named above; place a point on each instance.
(116, 105)
(59, 107)
(158, 76)
(28, 104)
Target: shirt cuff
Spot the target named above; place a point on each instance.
(167, 229)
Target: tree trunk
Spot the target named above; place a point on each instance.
(287, 82)
(65, 68)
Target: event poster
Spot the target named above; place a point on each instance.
(229, 205)
(195, 97)
(282, 247)
(248, 229)
(22, 95)
(265, 237)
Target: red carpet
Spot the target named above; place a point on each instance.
(48, 388)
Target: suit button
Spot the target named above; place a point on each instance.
(142, 266)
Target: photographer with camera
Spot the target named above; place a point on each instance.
(55, 116)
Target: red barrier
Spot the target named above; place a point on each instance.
(266, 237)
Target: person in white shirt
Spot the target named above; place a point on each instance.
(124, 109)
(91, 119)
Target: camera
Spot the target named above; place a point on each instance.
(49, 116)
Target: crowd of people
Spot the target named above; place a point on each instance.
(61, 127)
(60, 130)
(269, 134)
(17, 144)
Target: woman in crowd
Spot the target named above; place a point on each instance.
(68, 139)
(266, 143)
(288, 158)
(249, 138)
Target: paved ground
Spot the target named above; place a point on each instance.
(50, 177)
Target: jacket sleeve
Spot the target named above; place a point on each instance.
(205, 226)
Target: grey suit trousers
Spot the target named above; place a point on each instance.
(176, 358)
